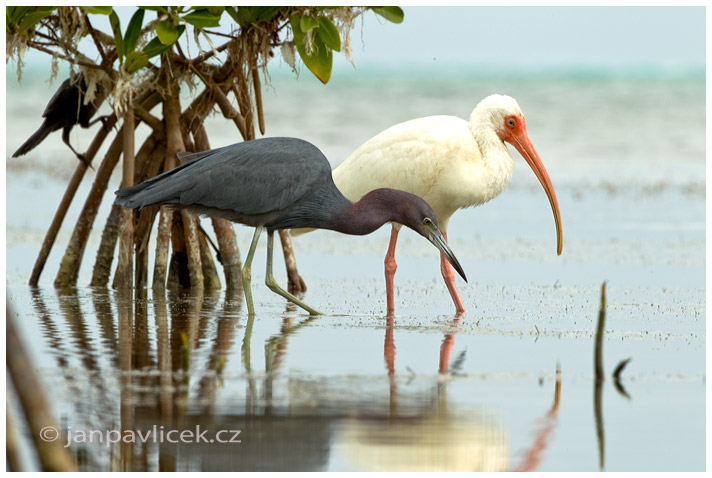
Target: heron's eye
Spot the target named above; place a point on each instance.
(511, 123)
(427, 222)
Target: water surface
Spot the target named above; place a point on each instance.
(356, 390)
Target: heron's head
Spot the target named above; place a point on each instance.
(419, 216)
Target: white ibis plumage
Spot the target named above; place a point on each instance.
(448, 161)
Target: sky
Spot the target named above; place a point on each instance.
(524, 37)
(541, 36)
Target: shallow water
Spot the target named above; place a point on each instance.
(355, 390)
(359, 391)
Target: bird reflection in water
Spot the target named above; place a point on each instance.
(533, 456)
(171, 361)
(421, 432)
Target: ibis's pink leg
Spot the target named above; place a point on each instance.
(391, 266)
(446, 348)
(389, 347)
(449, 276)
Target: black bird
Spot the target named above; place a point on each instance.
(280, 183)
(64, 110)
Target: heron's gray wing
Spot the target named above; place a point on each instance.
(185, 156)
(254, 177)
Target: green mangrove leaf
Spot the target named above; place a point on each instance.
(168, 33)
(233, 13)
(15, 14)
(133, 31)
(216, 11)
(203, 19)
(98, 10)
(392, 14)
(295, 21)
(30, 19)
(118, 38)
(329, 34)
(136, 60)
(246, 16)
(155, 47)
(307, 22)
(320, 61)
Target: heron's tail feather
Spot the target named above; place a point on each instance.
(165, 188)
(145, 194)
(33, 141)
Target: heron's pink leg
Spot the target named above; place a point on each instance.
(391, 266)
(449, 276)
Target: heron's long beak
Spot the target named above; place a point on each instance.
(520, 140)
(436, 238)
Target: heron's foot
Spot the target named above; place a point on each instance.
(274, 287)
(295, 283)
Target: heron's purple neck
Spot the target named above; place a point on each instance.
(371, 212)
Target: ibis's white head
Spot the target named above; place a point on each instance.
(501, 114)
(494, 109)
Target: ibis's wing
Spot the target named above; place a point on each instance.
(254, 177)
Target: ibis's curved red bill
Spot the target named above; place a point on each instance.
(520, 140)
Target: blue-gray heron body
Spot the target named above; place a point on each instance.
(279, 183)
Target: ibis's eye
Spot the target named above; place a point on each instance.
(427, 221)
(511, 123)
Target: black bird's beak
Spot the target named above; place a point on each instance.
(437, 239)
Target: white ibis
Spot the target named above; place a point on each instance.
(449, 162)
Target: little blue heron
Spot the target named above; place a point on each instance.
(65, 109)
(280, 183)
(448, 161)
